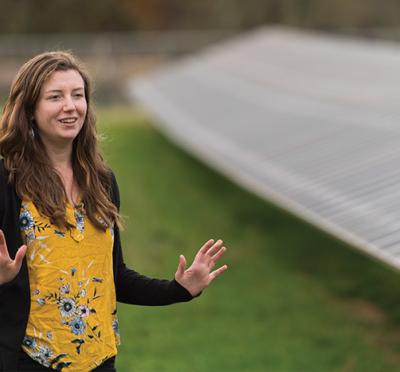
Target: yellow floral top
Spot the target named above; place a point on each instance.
(72, 322)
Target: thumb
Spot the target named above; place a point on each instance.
(181, 266)
(19, 256)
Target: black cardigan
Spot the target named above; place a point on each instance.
(131, 287)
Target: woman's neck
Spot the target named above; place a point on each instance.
(60, 156)
(61, 159)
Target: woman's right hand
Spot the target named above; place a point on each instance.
(9, 268)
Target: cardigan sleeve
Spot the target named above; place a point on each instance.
(2, 207)
(7, 219)
(134, 288)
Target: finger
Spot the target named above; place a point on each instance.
(215, 247)
(181, 266)
(206, 246)
(20, 255)
(3, 245)
(217, 272)
(217, 256)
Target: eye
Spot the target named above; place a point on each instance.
(79, 95)
(54, 97)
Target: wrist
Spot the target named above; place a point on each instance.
(187, 287)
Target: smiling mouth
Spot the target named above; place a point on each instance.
(68, 121)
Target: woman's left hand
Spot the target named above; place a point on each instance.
(199, 275)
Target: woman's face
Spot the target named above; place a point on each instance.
(61, 108)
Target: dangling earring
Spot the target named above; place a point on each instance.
(31, 131)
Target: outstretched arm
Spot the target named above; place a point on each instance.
(134, 288)
(199, 275)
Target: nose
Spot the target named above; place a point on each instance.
(69, 104)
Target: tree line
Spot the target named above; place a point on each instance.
(37, 16)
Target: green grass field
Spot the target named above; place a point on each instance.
(293, 299)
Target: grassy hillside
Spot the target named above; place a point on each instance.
(293, 298)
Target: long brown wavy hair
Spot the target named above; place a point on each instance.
(25, 156)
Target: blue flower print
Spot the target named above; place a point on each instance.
(80, 221)
(41, 301)
(30, 237)
(77, 326)
(84, 311)
(67, 307)
(115, 326)
(82, 293)
(26, 221)
(43, 355)
(45, 351)
(65, 289)
(29, 342)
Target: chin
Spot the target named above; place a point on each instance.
(66, 137)
(70, 134)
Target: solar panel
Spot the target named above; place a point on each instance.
(308, 121)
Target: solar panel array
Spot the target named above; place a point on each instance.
(308, 121)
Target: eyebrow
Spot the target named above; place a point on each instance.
(60, 91)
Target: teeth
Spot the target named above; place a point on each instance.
(68, 121)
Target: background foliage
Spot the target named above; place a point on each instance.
(24, 16)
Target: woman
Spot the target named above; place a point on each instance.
(61, 264)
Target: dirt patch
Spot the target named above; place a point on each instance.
(367, 311)
(386, 336)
